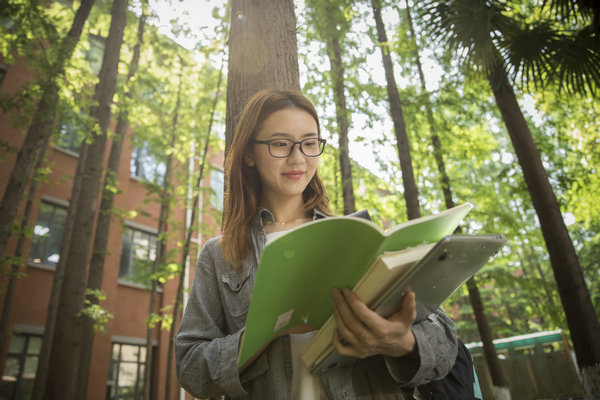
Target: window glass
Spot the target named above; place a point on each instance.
(137, 256)
(126, 373)
(34, 345)
(95, 53)
(20, 366)
(70, 132)
(146, 165)
(2, 73)
(217, 187)
(47, 235)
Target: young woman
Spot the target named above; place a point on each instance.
(273, 185)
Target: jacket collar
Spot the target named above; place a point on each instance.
(264, 216)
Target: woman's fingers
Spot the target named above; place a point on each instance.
(361, 332)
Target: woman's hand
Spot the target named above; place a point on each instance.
(362, 333)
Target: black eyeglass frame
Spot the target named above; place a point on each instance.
(294, 143)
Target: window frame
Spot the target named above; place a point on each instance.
(3, 72)
(55, 203)
(112, 383)
(137, 168)
(22, 356)
(69, 127)
(131, 226)
(217, 194)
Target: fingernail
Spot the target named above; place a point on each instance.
(335, 292)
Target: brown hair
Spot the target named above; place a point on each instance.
(243, 182)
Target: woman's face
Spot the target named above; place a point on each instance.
(283, 178)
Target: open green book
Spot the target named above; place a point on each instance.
(297, 270)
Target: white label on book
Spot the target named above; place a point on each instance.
(284, 319)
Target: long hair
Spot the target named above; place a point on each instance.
(243, 185)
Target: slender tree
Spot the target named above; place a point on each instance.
(160, 260)
(41, 125)
(96, 270)
(334, 53)
(188, 236)
(488, 34)
(411, 192)
(331, 26)
(499, 380)
(66, 343)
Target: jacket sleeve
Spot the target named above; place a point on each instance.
(434, 355)
(206, 355)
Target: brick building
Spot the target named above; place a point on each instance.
(118, 354)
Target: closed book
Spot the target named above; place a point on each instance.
(433, 271)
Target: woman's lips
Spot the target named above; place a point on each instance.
(295, 175)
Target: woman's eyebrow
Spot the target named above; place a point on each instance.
(287, 135)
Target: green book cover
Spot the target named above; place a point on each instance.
(297, 270)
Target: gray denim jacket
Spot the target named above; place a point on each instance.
(206, 345)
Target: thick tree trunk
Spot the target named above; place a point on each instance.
(579, 311)
(14, 273)
(42, 371)
(411, 192)
(334, 52)
(41, 127)
(104, 218)
(263, 53)
(66, 344)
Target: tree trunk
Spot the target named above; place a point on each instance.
(188, 239)
(66, 343)
(41, 126)
(263, 53)
(14, 273)
(411, 192)
(42, 371)
(498, 378)
(435, 139)
(334, 52)
(165, 207)
(579, 311)
(104, 218)
(158, 263)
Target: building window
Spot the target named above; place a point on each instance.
(69, 135)
(2, 73)
(217, 186)
(137, 256)
(47, 235)
(21, 365)
(95, 53)
(145, 165)
(126, 374)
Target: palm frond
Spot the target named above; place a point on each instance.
(486, 35)
(575, 62)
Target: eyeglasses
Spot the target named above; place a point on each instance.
(282, 148)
